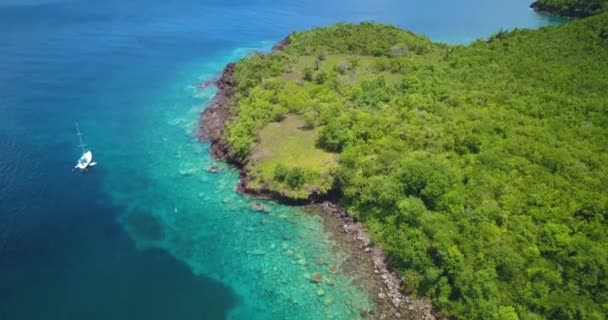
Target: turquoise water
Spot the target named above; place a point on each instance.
(149, 233)
(203, 222)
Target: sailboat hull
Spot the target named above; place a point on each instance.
(85, 161)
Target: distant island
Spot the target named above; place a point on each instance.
(481, 170)
(571, 8)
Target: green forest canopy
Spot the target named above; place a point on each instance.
(480, 169)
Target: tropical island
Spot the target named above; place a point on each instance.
(481, 170)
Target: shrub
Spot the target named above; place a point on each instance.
(307, 74)
(320, 77)
(280, 172)
(400, 51)
(354, 62)
(295, 178)
(342, 67)
(382, 64)
(310, 119)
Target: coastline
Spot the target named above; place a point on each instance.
(368, 260)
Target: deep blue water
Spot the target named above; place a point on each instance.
(148, 234)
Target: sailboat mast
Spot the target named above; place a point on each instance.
(82, 145)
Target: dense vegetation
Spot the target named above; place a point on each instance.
(572, 8)
(482, 170)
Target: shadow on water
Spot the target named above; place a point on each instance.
(70, 259)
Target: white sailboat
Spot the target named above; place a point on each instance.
(86, 160)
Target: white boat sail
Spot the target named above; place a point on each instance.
(86, 160)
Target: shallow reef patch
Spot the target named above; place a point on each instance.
(145, 226)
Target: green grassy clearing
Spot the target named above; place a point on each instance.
(287, 143)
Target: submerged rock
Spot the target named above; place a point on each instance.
(187, 172)
(316, 278)
(332, 269)
(205, 84)
(328, 300)
(259, 207)
(214, 169)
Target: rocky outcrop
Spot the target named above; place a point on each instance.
(214, 117)
(259, 207)
(281, 45)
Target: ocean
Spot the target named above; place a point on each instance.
(149, 233)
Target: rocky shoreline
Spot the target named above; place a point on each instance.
(367, 259)
(370, 260)
(213, 119)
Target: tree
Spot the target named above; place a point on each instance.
(307, 74)
(295, 178)
(320, 77)
(280, 172)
